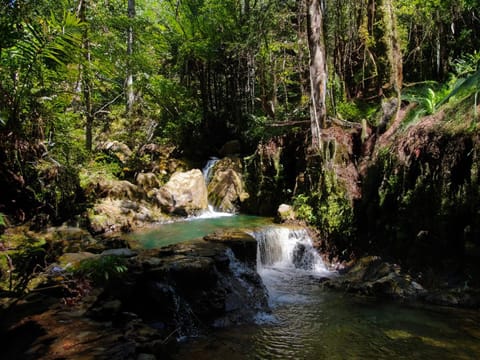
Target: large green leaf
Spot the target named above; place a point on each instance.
(469, 86)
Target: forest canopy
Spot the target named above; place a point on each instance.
(76, 73)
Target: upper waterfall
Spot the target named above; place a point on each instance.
(207, 172)
(208, 169)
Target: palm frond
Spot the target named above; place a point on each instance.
(54, 39)
(470, 85)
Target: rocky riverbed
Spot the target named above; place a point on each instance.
(163, 295)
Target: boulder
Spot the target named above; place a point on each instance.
(72, 260)
(199, 277)
(372, 276)
(226, 190)
(147, 181)
(121, 252)
(110, 215)
(243, 245)
(285, 213)
(117, 149)
(114, 189)
(184, 194)
(69, 239)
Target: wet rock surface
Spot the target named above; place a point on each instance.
(165, 294)
(373, 276)
(200, 284)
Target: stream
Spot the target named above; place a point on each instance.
(309, 322)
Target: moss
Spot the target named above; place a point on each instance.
(420, 208)
(328, 208)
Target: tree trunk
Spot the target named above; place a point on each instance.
(318, 69)
(392, 41)
(85, 81)
(130, 95)
(301, 55)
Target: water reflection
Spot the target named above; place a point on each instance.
(309, 322)
(339, 326)
(177, 232)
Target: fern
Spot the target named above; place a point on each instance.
(53, 39)
(51, 42)
(426, 100)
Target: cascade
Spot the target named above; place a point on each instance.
(281, 247)
(208, 169)
(207, 172)
(288, 263)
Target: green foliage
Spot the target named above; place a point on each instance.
(102, 269)
(303, 209)
(37, 59)
(22, 263)
(335, 212)
(427, 97)
(106, 164)
(467, 64)
(327, 209)
(355, 110)
(470, 86)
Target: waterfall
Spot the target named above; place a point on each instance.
(207, 170)
(281, 247)
(288, 264)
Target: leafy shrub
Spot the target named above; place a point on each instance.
(23, 263)
(355, 110)
(102, 269)
(303, 209)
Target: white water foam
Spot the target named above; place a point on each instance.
(284, 248)
(288, 264)
(210, 213)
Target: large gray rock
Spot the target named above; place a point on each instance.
(372, 276)
(184, 194)
(285, 213)
(226, 190)
(117, 149)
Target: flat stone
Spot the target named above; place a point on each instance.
(123, 252)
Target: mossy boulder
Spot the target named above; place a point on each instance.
(285, 213)
(373, 276)
(226, 189)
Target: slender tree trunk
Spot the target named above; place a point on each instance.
(130, 95)
(318, 69)
(392, 41)
(301, 35)
(85, 82)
